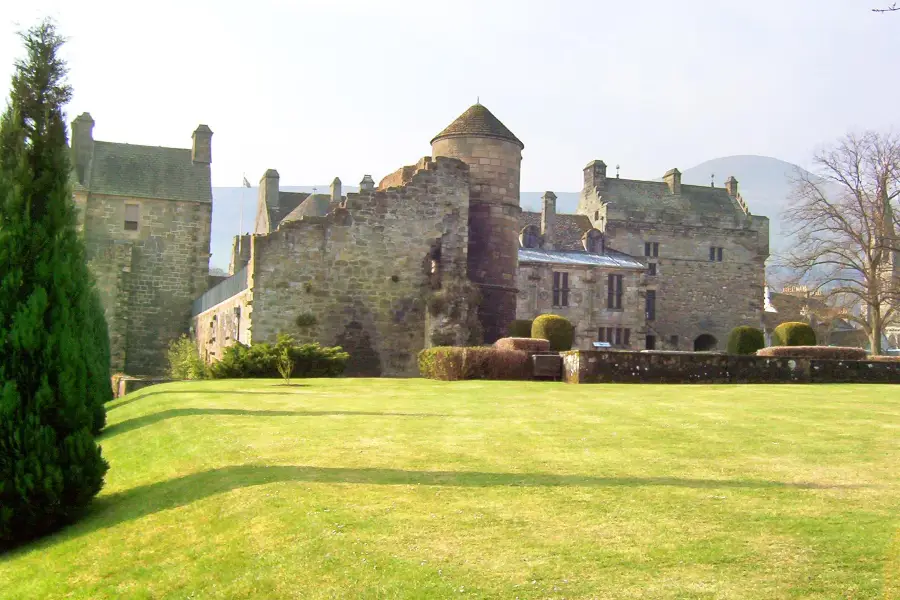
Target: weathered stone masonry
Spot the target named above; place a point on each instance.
(145, 214)
(365, 272)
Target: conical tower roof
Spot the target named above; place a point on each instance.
(478, 121)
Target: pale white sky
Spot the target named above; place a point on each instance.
(319, 89)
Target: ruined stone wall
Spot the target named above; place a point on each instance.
(223, 325)
(696, 296)
(169, 265)
(587, 309)
(365, 272)
(494, 166)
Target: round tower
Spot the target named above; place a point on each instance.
(494, 156)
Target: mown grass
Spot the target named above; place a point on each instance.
(357, 488)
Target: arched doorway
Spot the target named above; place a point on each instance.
(705, 343)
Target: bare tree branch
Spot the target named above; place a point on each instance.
(845, 230)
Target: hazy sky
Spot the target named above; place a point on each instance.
(319, 89)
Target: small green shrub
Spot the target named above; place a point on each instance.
(262, 360)
(558, 330)
(794, 333)
(450, 363)
(520, 328)
(527, 344)
(184, 360)
(306, 320)
(746, 340)
(821, 352)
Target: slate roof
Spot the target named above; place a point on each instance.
(567, 257)
(315, 205)
(287, 202)
(655, 195)
(147, 172)
(478, 121)
(567, 229)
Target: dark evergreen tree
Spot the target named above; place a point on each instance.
(50, 465)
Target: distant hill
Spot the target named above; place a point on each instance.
(764, 182)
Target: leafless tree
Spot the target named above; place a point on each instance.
(844, 230)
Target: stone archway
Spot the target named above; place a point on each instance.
(705, 343)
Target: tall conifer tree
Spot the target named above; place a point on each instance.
(50, 465)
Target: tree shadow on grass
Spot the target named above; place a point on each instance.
(145, 420)
(200, 392)
(141, 501)
(145, 500)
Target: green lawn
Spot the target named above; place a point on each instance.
(361, 488)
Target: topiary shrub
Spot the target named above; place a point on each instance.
(527, 344)
(450, 363)
(794, 333)
(558, 330)
(821, 352)
(184, 360)
(520, 328)
(262, 360)
(746, 340)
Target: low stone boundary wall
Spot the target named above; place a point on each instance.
(123, 385)
(609, 366)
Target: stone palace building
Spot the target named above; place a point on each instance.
(436, 253)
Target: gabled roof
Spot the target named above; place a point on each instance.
(315, 205)
(656, 195)
(567, 229)
(287, 203)
(147, 172)
(478, 121)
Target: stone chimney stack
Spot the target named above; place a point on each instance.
(336, 190)
(367, 184)
(201, 151)
(82, 144)
(268, 190)
(731, 186)
(673, 180)
(595, 175)
(548, 219)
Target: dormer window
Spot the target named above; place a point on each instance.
(530, 237)
(593, 241)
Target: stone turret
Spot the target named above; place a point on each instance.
(82, 144)
(494, 156)
(201, 150)
(548, 219)
(367, 184)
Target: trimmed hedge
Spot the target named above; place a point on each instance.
(520, 328)
(558, 330)
(262, 360)
(746, 340)
(451, 363)
(794, 333)
(821, 352)
(522, 343)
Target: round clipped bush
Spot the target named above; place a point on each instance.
(520, 328)
(746, 340)
(793, 333)
(558, 330)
